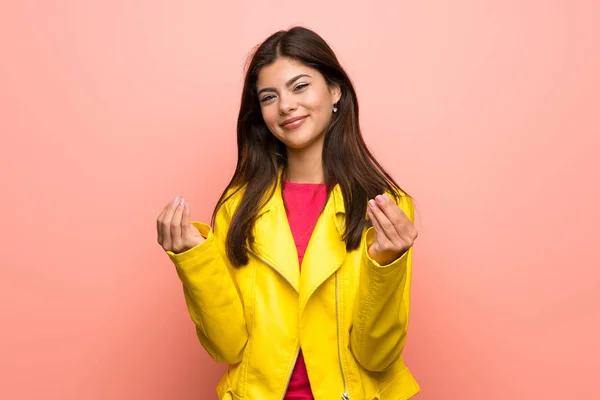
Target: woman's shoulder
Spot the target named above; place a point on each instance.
(232, 197)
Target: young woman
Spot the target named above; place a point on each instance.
(302, 285)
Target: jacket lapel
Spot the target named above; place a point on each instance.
(325, 252)
(326, 249)
(274, 241)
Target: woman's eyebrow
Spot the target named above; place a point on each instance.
(288, 83)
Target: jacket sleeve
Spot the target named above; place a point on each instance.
(382, 305)
(211, 296)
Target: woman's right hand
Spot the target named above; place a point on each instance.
(175, 232)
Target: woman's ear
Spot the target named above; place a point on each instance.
(336, 93)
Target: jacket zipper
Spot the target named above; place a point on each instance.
(345, 395)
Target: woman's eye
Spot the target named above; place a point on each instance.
(266, 98)
(301, 86)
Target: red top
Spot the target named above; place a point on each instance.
(304, 202)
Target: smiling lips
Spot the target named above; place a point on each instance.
(293, 123)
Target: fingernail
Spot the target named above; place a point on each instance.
(176, 199)
(372, 203)
(182, 201)
(379, 199)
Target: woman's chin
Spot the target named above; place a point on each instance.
(298, 145)
(299, 141)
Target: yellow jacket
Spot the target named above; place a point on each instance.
(347, 313)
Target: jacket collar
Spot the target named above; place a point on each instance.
(276, 200)
(326, 249)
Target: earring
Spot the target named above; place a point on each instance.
(334, 108)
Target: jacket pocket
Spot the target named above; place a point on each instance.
(225, 389)
(401, 387)
(227, 396)
(230, 395)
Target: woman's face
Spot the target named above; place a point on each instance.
(296, 102)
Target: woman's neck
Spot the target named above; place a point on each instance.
(305, 165)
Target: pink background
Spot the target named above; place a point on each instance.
(486, 111)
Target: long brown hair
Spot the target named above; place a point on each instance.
(346, 158)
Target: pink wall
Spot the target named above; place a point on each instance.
(486, 111)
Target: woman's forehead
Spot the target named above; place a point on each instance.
(282, 70)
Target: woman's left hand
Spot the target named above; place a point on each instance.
(394, 231)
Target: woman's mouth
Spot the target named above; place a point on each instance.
(293, 123)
